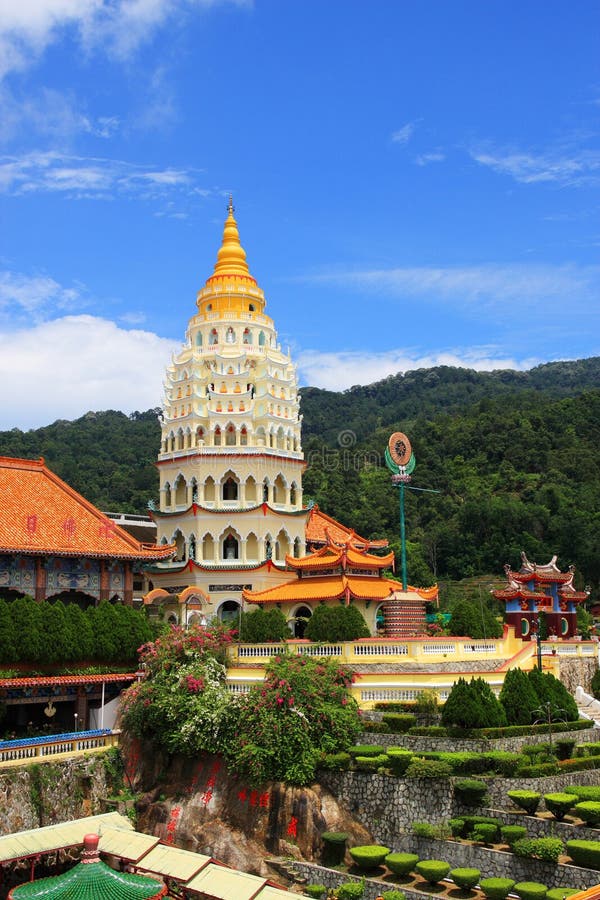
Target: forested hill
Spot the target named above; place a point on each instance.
(514, 455)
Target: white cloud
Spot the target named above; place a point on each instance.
(51, 172)
(424, 159)
(566, 167)
(50, 113)
(63, 368)
(503, 289)
(36, 295)
(27, 28)
(404, 134)
(338, 371)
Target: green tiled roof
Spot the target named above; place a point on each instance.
(91, 881)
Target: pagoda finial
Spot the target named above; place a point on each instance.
(231, 258)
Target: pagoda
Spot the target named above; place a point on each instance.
(91, 879)
(536, 589)
(343, 573)
(231, 460)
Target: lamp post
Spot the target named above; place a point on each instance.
(76, 722)
(535, 625)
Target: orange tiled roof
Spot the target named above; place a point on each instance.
(322, 529)
(541, 577)
(327, 587)
(40, 513)
(332, 556)
(66, 680)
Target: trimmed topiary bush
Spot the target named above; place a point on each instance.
(457, 827)
(432, 870)
(585, 853)
(584, 792)
(365, 750)
(546, 848)
(496, 888)
(488, 834)
(428, 768)
(589, 811)
(399, 723)
(401, 863)
(334, 848)
(527, 800)
(369, 856)
(315, 890)
(466, 879)
(371, 763)
(393, 895)
(512, 833)
(531, 890)
(559, 804)
(560, 893)
(399, 759)
(470, 792)
(335, 762)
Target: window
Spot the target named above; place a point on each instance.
(230, 548)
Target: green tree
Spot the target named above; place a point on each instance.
(473, 704)
(28, 629)
(550, 691)
(263, 625)
(8, 650)
(330, 624)
(473, 620)
(518, 697)
(57, 637)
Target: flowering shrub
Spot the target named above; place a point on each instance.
(181, 702)
(279, 729)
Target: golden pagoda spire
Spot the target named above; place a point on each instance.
(231, 258)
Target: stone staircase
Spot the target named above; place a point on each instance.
(588, 707)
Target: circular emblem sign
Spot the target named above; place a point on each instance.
(400, 449)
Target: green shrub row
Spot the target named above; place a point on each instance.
(472, 763)
(580, 764)
(584, 791)
(504, 731)
(547, 849)
(585, 853)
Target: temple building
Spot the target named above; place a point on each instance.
(344, 574)
(55, 544)
(536, 589)
(231, 466)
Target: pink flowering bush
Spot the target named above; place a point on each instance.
(180, 703)
(281, 728)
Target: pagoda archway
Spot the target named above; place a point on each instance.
(229, 613)
(300, 620)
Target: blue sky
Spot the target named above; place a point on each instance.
(415, 184)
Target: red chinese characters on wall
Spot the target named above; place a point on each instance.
(69, 528)
(31, 524)
(172, 824)
(292, 829)
(254, 798)
(206, 797)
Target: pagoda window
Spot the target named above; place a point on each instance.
(242, 409)
(279, 490)
(199, 436)
(252, 547)
(251, 307)
(229, 612)
(192, 547)
(188, 391)
(194, 487)
(223, 388)
(250, 490)
(282, 394)
(198, 339)
(280, 439)
(293, 494)
(180, 491)
(300, 621)
(208, 547)
(282, 545)
(260, 435)
(230, 488)
(209, 490)
(231, 548)
(209, 307)
(297, 548)
(266, 490)
(268, 548)
(230, 407)
(230, 336)
(180, 439)
(179, 541)
(247, 336)
(217, 440)
(219, 406)
(261, 339)
(230, 370)
(168, 497)
(243, 432)
(230, 436)
(237, 388)
(179, 394)
(213, 337)
(295, 444)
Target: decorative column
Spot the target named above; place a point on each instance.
(128, 583)
(40, 579)
(104, 580)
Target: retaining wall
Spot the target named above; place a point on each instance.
(448, 745)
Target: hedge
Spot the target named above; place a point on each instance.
(335, 762)
(399, 723)
(559, 804)
(351, 890)
(589, 811)
(428, 768)
(538, 770)
(315, 890)
(369, 856)
(371, 763)
(468, 824)
(474, 763)
(581, 764)
(399, 759)
(585, 853)
(531, 890)
(547, 849)
(512, 833)
(487, 834)
(560, 893)
(470, 792)
(401, 863)
(394, 895)
(591, 749)
(584, 791)
(504, 731)
(364, 750)
(527, 800)
(465, 878)
(496, 888)
(432, 870)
